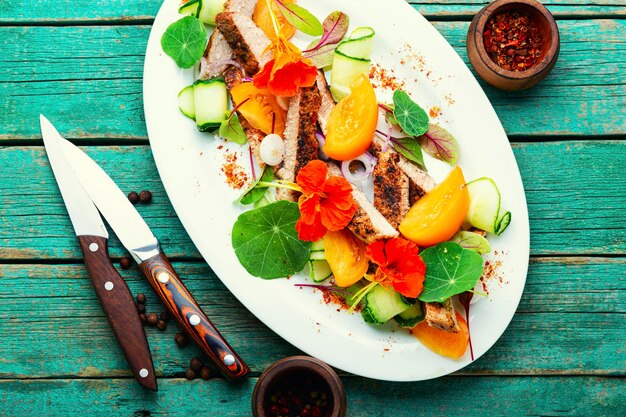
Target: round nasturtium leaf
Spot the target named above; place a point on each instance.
(266, 241)
(185, 41)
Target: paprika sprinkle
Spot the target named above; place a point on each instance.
(513, 40)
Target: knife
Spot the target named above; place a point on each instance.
(113, 293)
(136, 236)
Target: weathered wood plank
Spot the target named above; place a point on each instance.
(584, 214)
(88, 80)
(570, 321)
(65, 12)
(466, 396)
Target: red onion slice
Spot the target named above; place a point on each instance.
(321, 140)
(368, 161)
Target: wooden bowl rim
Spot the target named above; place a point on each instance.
(491, 9)
(303, 363)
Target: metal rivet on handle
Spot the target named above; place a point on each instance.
(93, 247)
(229, 360)
(194, 320)
(108, 285)
(143, 372)
(163, 277)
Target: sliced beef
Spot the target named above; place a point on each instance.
(367, 224)
(391, 188)
(301, 146)
(250, 45)
(441, 316)
(327, 101)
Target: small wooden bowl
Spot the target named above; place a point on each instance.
(491, 72)
(298, 367)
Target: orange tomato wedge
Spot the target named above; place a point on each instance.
(345, 255)
(263, 19)
(438, 215)
(451, 345)
(261, 109)
(352, 122)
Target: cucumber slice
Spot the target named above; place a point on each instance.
(502, 223)
(484, 204)
(210, 103)
(345, 71)
(362, 32)
(186, 102)
(359, 45)
(319, 255)
(381, 304)
(209, 9)
(410, 317)
(319, 270)
(318, 245)
(191, 7)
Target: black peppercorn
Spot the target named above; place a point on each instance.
(143, 318)
(195, 364)
(153, 319)
(125, 262)
(133, 197)
(165, 316)
(161, 325)
(145, 196)
(141, 298)
(141, 308)
(205, 373)
(190, 374)
(180, 339)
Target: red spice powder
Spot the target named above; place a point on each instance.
(235, 175)
(331, 297)
(513, 41)
(385, 78)
(435, 111)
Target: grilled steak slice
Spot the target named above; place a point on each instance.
(216, 53)
(327, 101)
(391, 188)
(441, 316)
(245, 7)
(367, 224)
(232, 77)
(301, 146)
(249, 43)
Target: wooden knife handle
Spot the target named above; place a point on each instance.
(119, 307)
(180, 303)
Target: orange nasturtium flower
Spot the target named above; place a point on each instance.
(288, 71)
(325, 203)
(399, 265)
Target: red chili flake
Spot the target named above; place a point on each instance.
(385, 78)
(513, 41)
(235, 176)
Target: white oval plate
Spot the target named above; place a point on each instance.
(190, 163)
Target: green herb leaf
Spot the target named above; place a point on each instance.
(409, 148)
(185, 40)
(411, 117)
(231, 130)
(440, 144)
(321, 57)
(256, 191)
(335, 27)
(266, 242)
(389, 116)
(301, 18)
(472, 241)
(450, 270)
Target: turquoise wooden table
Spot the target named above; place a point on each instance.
(81, 64)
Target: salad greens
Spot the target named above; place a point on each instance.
(450, 270)
(411, 117)
(231, 130)
(301, 18)
(266, 242)
(321, 50)
(440, 144)
(185, 40)
(257, 191)
(472, 241)
(410, 148)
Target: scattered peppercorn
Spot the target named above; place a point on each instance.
(190, 374)
(133, 197)
(299, 395)
(141, 308)
(180, 339)
(165, 316)
(143, 318)
(141, 298)
(205, 373)
(161, 325)
(125, 262)
(153, 319)
(145, 196)
(195, 364)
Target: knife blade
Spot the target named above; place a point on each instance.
(113, 293)
(136, 236)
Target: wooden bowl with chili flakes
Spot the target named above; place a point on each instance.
(513, 44)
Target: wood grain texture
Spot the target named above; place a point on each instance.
(570, 321)
(87, 80)
(128, 11)
(583, 215)
(454, 396)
